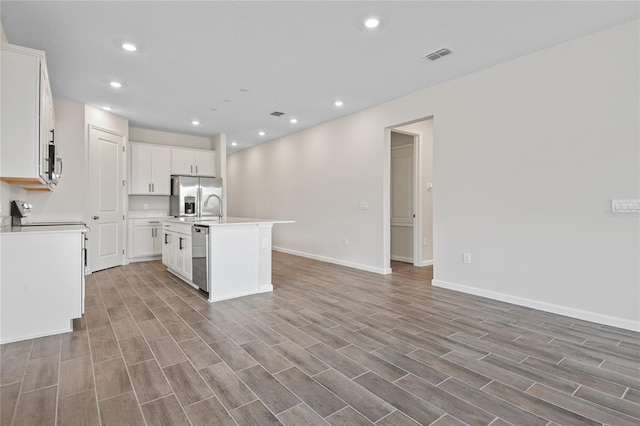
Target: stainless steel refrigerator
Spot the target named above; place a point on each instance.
(189, 194)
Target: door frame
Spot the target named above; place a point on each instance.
(124, 202)
(416, 195)
(386, 193)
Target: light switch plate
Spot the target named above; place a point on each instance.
(625, 206)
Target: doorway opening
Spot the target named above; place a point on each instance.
(408, 191)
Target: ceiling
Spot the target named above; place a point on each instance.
(230, 64)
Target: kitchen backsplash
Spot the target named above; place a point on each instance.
(151, 202)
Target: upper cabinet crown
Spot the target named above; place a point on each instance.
(196, 162)
(27, 127)
(150, 169)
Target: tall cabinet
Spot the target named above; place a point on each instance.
(27, 125)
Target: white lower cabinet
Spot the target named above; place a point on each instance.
(145, 239)
(176, 249)
(41, 282)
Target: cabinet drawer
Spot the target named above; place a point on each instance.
(155, 221)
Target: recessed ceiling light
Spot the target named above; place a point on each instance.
(234, 143)
(293, 120)
(261, 133)
(195, 122)
(129, 47)
(371, 23)
(338, 103)
(115, 84)
(106, 108)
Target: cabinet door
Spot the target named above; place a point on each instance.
(182, 161)
(143, 241)
(161, 171)
(157, 240)
(187, 269)
(140, 169)
(205, 162)
(168, 252)
(180, 249)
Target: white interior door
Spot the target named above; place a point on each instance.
(402, 208)
(106, 157)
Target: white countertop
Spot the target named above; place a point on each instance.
(213, 221)
(42, 229)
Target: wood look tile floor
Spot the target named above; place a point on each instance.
(330, 345)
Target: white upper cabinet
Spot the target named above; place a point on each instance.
(27, 121)
(150, 169)
(196, 162)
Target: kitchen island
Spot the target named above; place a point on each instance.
(236, 254)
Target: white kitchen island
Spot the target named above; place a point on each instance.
(239, 254)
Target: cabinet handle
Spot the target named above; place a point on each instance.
(153, 187)
(154, 221)
(149, 187)
(180, 244)
(53, 135)
(196, 169)
(165, 238)
(192, 168)
(96, 217)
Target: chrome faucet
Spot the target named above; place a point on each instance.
(219, 204)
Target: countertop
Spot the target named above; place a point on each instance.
(42, 229)
(212, 221)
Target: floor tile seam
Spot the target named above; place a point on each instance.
(540, 373)
(321, 385)
(622, 376)
(587, 402)
(608, 407)
(367, 368)
(410, 393)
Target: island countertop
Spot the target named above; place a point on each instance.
(226, 220)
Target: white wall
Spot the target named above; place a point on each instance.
(527, 156)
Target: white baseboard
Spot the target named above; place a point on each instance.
(543, 306)
(402, 259)
(409, 260)
(367, 268)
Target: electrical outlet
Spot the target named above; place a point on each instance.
(466, 258)
(265, 243)
(625, 206)
(424, 241)
(345, 242)
(364, 205)
(146, 206)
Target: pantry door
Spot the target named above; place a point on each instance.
(106, 221)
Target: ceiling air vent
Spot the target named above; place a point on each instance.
(434, 56)
(277, 113)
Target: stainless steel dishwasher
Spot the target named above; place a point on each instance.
(201, 263)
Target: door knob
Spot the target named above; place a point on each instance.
(96, 217)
